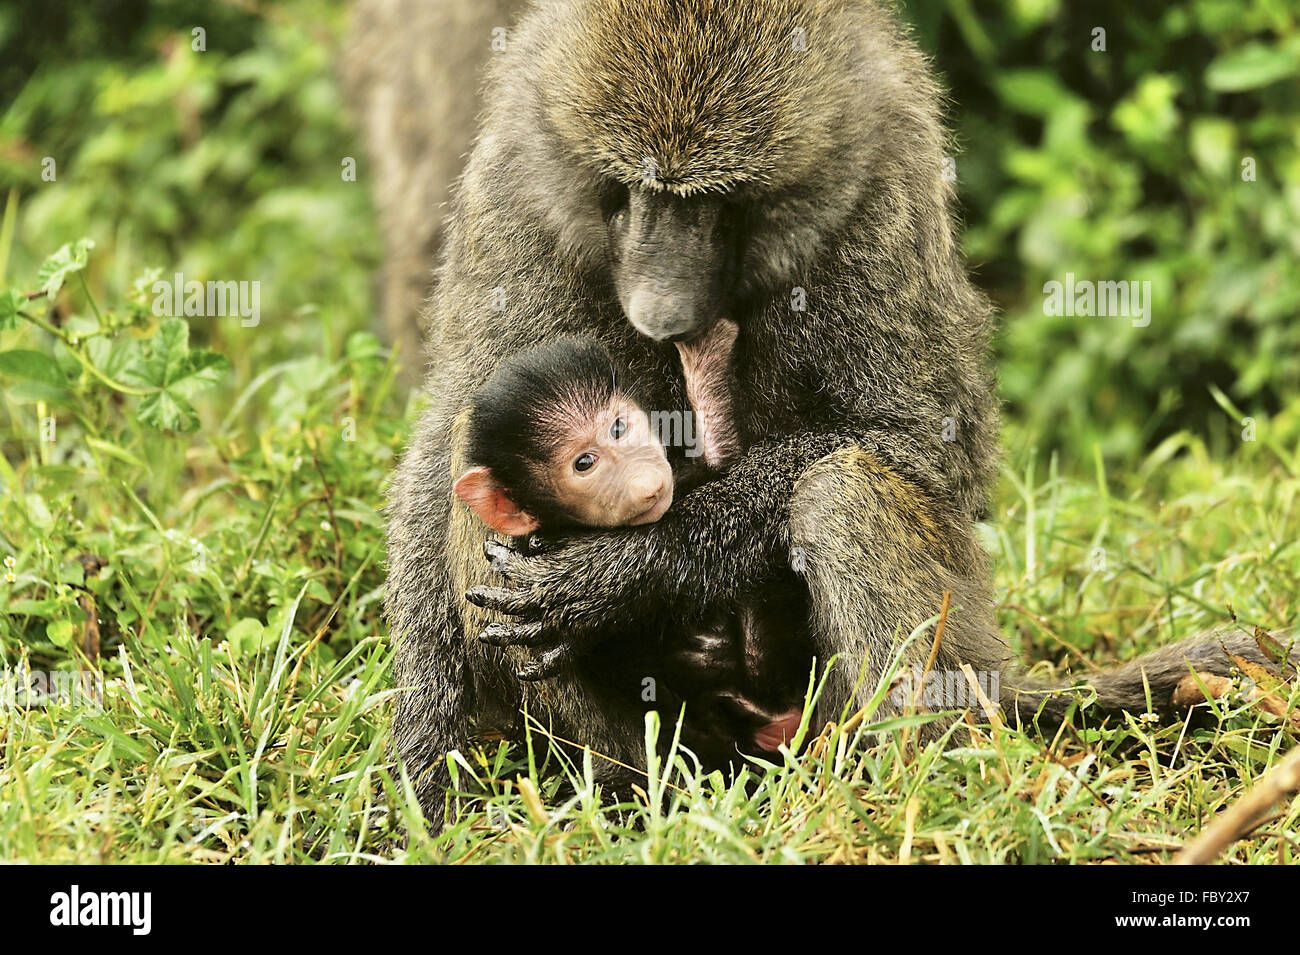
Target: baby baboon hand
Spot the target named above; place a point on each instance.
(565, 598)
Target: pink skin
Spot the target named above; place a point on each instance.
(657, 510)
(705, 365)
(490, 500)
(779, 732)
(628, 480)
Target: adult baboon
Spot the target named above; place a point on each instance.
(412, 71)
(645, 167)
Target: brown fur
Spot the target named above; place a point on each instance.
(412, 71)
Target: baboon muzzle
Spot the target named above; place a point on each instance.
(670, 263)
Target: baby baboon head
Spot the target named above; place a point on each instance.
(558, 436)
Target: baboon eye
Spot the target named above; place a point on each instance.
(585, 462)
(614, 197)
(618, 429)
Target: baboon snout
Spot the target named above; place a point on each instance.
(663, 318)
(670, 261)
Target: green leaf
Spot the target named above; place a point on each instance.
(72, 572)
(248, 635)
(1036, 92)
(116, 357)
(11, 303)
(112, 450)
(70, 258)
(1149, 115)
(164, 354)
(1250, 67)
(57, 479)
(32, 608)
(30, 392)
(166, 411)
(1213, 141)
(362, 345)
(28, 365)
(59, 632)
(170, 366)
(199, 370)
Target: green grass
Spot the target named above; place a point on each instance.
(235, 572)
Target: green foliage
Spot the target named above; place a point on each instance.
(185, 536)
(220, 164)
(226, 586)
(157, 366)
(1173, 156)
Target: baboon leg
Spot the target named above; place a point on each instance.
(455, 682)
(431, 716)
(877, 561)
(432, 706)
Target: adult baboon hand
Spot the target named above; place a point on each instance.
(578, 589)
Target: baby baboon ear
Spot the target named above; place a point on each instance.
(489, 500)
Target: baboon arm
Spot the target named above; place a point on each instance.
(719, 542)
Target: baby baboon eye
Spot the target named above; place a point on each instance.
(585, 462)
(618, 429)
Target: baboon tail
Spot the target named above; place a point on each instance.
(1126, 687)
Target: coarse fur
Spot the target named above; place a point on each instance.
(864, 395)
(547, 408)
(412, 70)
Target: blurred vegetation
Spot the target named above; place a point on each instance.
(222, 164)
(191, 506)
(1128, 163)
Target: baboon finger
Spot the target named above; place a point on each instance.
(536, 543)
(513, 635)
(516, 603)
(501, 558)
(547, 664)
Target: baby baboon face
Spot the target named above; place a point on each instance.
(610, 470)
(590, 464)
(557, 437)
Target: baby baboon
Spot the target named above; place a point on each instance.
(645, 167)
(559, 438)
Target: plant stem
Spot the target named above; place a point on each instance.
(85, 362)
